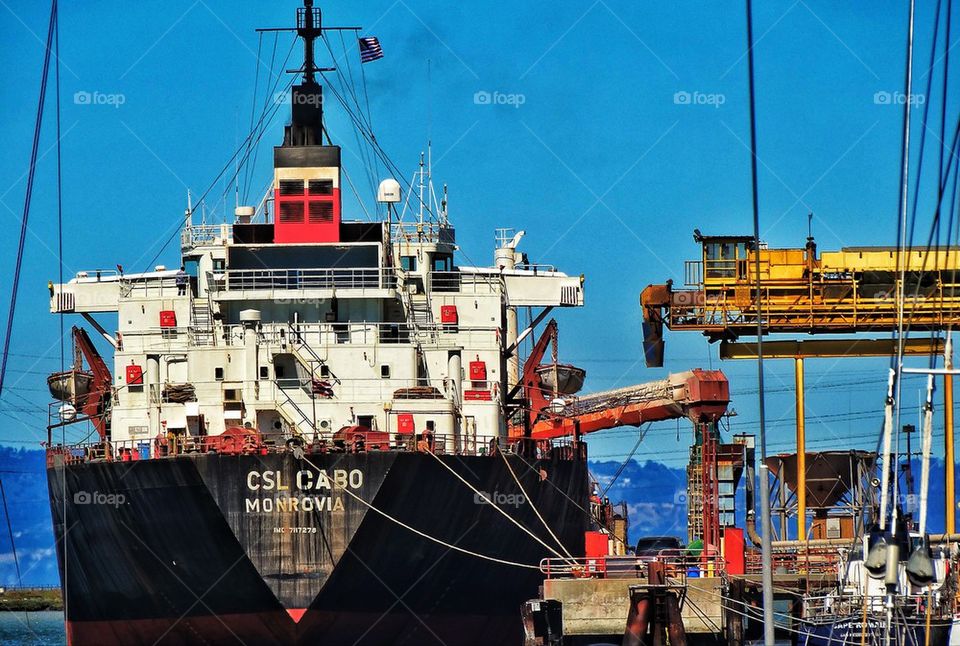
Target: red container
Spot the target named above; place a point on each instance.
(134, 375)
(478, 371)
(595, 544)
(448, 315)
(477, 395)
(168, 318)
(734, 550)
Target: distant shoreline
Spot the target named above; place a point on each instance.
(31, 599)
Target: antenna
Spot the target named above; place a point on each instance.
(810, 225)
(420, 174)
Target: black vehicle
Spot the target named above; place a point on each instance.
(650, 547)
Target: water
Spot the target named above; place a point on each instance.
(32, 628)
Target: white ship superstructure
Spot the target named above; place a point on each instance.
(296, 323)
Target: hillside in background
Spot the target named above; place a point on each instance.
(655, 495)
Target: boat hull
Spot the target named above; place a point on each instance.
(850, 630)
(210, 549)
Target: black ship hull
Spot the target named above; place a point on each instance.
(268, 549)
(852, 631)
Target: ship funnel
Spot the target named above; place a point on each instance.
(830, 474)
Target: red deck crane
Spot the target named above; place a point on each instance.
(96, 403)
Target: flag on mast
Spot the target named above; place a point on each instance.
(370, 49)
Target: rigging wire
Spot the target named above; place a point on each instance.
(31, 175)
(902, 267)
(486, 498)
(623, 466)
(364, 154)
(416, 531)
(261, 126)
(923, 125)
(764, 490)
(251, 166)
(536, 511)
(253, 102)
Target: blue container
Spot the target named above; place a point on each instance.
(144, 449)
(693, 573)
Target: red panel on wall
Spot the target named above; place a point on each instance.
(448, 314)
(405, 423)
(306, 218)
(168, 318)
(477, 395)
(134, 376)
(478, 371)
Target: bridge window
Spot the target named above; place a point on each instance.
(408, 263)
(443, 262)
(721, 258)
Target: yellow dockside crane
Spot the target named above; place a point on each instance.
(849, 291)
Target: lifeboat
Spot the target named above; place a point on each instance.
(562, 379)
(70, 385)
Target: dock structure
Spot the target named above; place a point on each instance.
(629, 598)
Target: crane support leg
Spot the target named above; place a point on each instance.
(801, 454)
(948, 461)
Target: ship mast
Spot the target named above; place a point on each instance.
(306, 125)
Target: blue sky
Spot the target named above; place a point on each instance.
(590, 147)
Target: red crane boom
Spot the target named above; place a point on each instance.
(699, 395)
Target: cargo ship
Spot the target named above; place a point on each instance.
(319, 431)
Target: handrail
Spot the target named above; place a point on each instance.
(678, 563)
(301, 279)
(410, 232)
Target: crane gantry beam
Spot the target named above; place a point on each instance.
(850, 291)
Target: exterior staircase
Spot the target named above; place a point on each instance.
(305, 355)
(201, 323)
(420, 317)
(299, 422)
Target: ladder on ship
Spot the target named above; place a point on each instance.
(201, 322)
(420, 315)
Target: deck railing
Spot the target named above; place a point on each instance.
(677, 563)
(301, 279)
(174, 446)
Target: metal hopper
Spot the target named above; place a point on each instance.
(830, 474)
